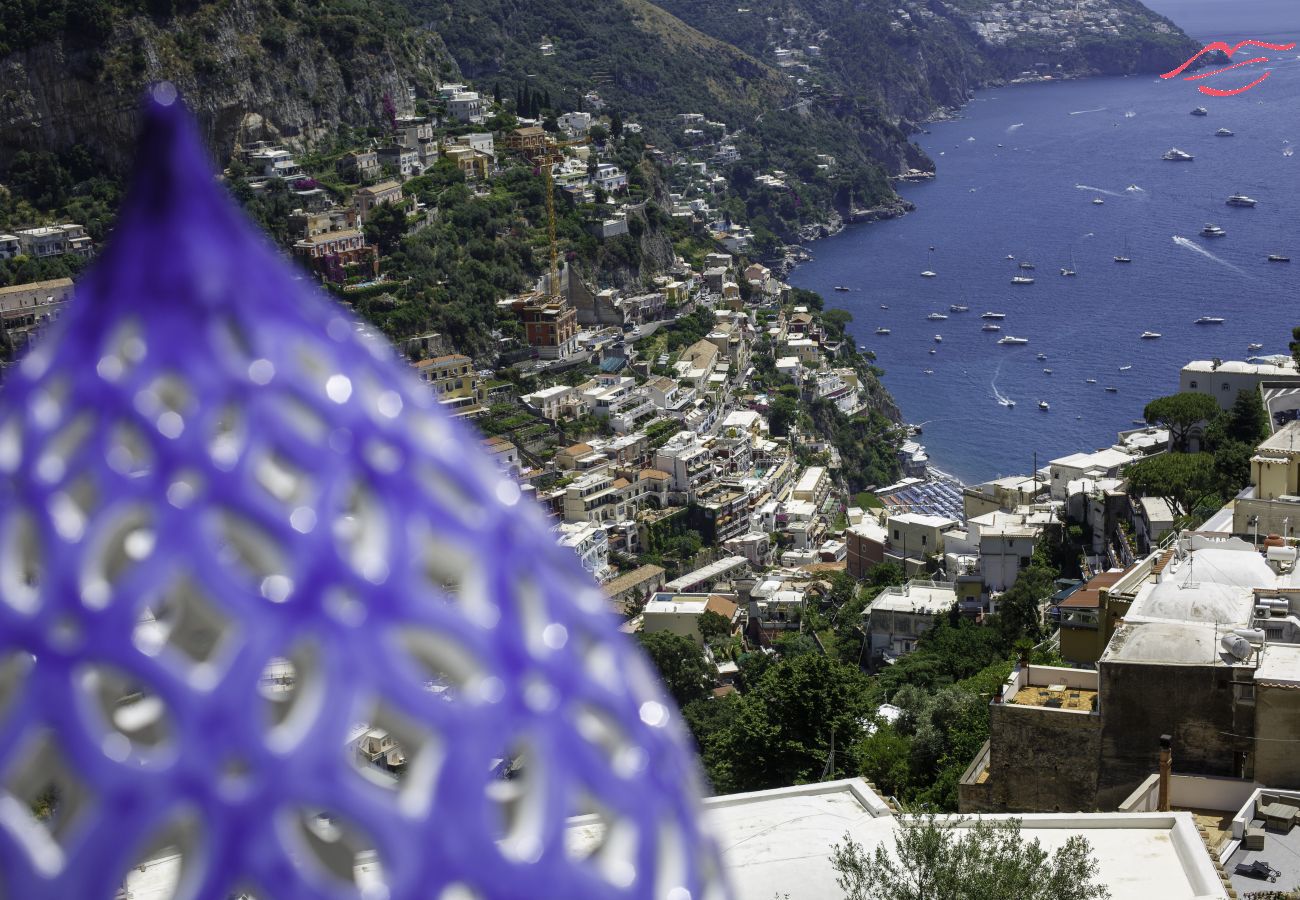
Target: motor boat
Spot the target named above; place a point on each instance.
(884, 306)
(1212, 230)
(1200, 111)
(927, 274)
(1223, 132)
(1042, 356)
(1067, 272)
(1240, 200)
(1173, 154)
(1009, 256)
(1090, 381)
(1047, 371)
(1278, 257)
(993, 315)
(1123, 259)
(1025, 265)
(938, 339)
(1013, 340)
(882, 330)
(841, 288)
(957, 307)
(1209, 320)
(1150, 335)
(991, 327)
(1020, 279)
(1254, 347)
(1097, 201)
(929, 371)
(936, 317)
(933, 351)
(1112, 390)
(1125, 368)
(1042, 404)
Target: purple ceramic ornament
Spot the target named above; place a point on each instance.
(264, 605)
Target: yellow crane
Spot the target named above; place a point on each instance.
(549, 156)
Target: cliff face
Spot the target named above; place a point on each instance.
(250, 69)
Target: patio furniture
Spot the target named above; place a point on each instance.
(1254, 838)
(1258, 869)
(1279, 816)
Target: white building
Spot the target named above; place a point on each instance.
(591, 543)
(1107, 463)
(899, 615)
(1222, 380)
(466, 106)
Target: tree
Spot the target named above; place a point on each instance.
(386, 226)
(836, 320)
(712, 626)
(1179, 413)
(886, 574)
(1294, 346)
(1247, 421)
(1182, 480)
(782, 415)
(1020, 609)
(681, 665)
(947, 860)
(615, 123)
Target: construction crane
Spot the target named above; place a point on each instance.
(549, 155)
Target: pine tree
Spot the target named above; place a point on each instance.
(496, 93)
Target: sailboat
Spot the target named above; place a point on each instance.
(1069, 272)
(1124, 257)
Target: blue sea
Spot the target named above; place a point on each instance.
(1017, 175)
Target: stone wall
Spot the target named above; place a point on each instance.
(1040, 760)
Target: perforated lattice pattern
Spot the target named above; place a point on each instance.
(234, 537)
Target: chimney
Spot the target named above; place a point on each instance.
(1166, 763)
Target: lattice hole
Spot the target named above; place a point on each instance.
(401, 756)
(294, 691)
(132, 718)
(168, 861)
(57, 458)
(15, 666)
(227, 437)
(123, 351)
(361, 533)
(125, 539)
(186, 627)
(517, 796)
(338, 850)
(42, 802)
(70, 509)
(22, 561)
(167, 402)
(252, 555)
(603, 732)
(604, 841)
(310, 425)
(452, 499)
(448, 669)
(284, 481)
(129, 452)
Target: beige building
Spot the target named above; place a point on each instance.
(1272, 504)
(680, 613)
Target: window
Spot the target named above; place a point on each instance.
(895, 534)
(922, 540)
(1192, 385)
(1225, 385)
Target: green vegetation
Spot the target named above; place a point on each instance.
(1180, 413)
(981, 860)
(680, 663)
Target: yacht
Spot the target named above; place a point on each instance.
(1200, 111)
(929, 371)
(993, 315)
(882, 330)
(1067, 272)
(1026, 265)
(1150, 335)
(927, 274)
(862, 346)
(1288, 152)
(1223, 132)
(1013, 340)
(1097, 201)
(1278, 257)
(841, 288)
(1090, 381)
(957, 307)
(1176, 155)
(1254, 347)
(1240, 200)
(1009, 256)
(1020, 279)
(1133, 189)
(989, 326)
(1123, 259)
(1047, 371)
(938, 339)
(1209, 320)
(1125, 368)
(1212, 230)
(1112, 390)
(1042, 404)
(936, 317)
(1042, 356)
(884, 306)
(933, 351)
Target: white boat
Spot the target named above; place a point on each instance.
(1223, 132)
(1288, 152)
(1130, 114)
(1200, 111)
(882, 330)
(1173, 154)
(1125, 368)
(862, 346)
(1047, 371)
(1278, 257)
(938, 339)
(1112, 390)
(1097, 201)
(884, 306)
(1013, 340)
(1150, 335)
(927, 274)
(841, 288)
(1253, 347)
(1042, 356)
(1025, 265)
(1209, 320)
(1212, 230)
(1067, 272)
(1009, 256)
(956, 307)
(929, 371)
(933, 351)
(1133, 189)
(1042, 404)
(1020, 279)
(1240, 200)
(991, 327)
(993, 315)
(936, 317)
(1090, 380)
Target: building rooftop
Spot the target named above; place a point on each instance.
(1241, 368)
(1101, 459)
(1279, 666)
(1283, 440)
(1055, 696)
(1089, 596)
(778, 842)
(922, 597)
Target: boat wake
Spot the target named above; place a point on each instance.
(1097, 190)
(1086, 111)
(1015, 126)
(1002, 399)
(1192, 245)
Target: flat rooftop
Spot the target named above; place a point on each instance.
(779, 842)
(1055, 697)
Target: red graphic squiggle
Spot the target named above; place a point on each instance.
(1225, 49)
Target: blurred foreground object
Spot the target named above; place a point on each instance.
(244, 555)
